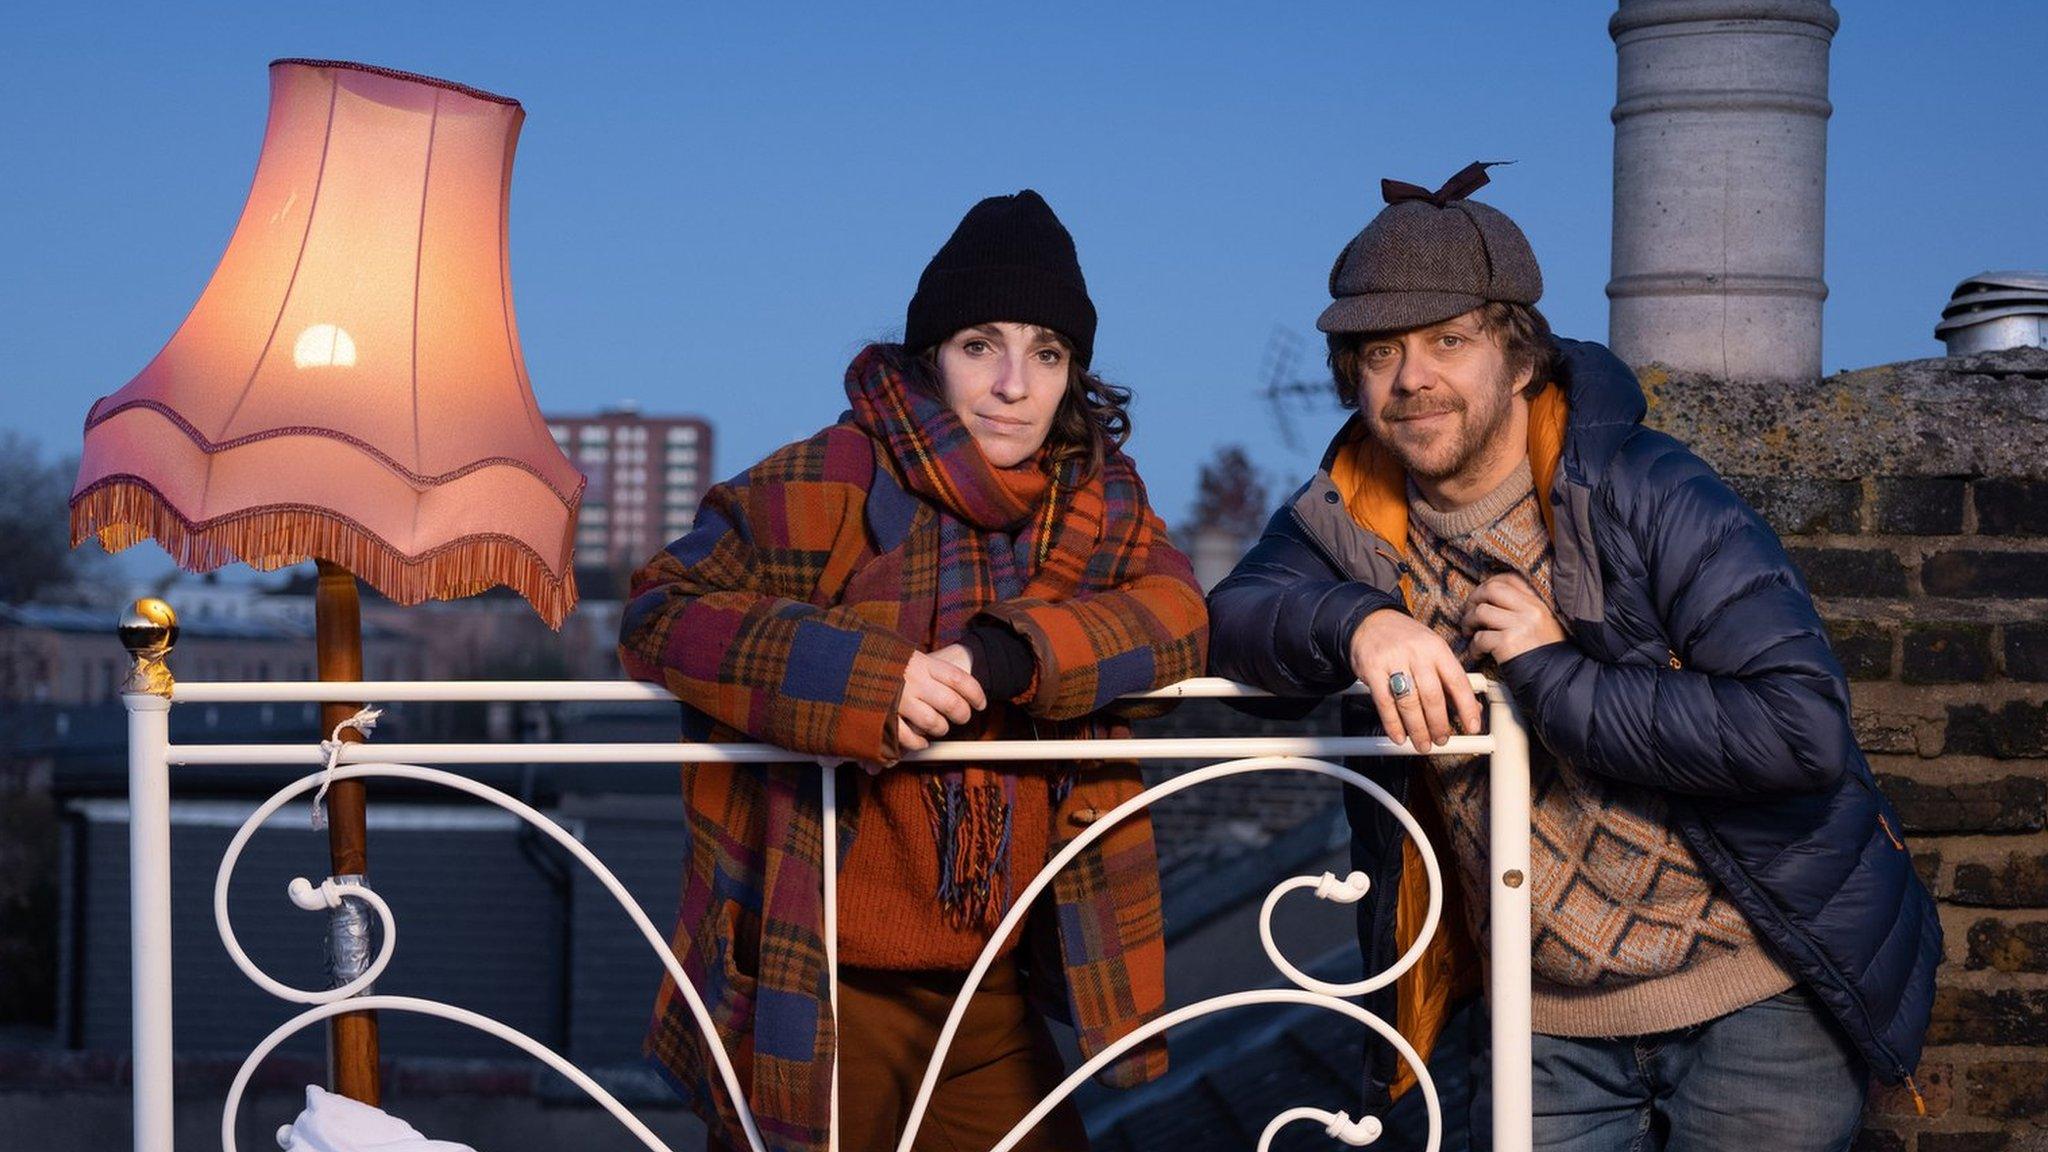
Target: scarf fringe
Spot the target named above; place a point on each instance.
(974, 823)
(121, 513)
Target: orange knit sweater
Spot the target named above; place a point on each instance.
(889, 914)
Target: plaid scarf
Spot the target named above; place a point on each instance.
(1003, 534)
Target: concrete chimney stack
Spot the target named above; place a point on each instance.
(1720, 185)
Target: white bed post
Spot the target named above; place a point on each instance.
(148, 630)
(1508, 883)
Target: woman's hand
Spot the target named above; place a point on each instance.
(958, 656)
(1505, 618)
(1389, 642)
(938, 692)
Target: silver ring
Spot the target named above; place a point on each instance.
(1399, 685)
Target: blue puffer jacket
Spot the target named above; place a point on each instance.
(1696, 666)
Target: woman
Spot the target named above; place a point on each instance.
(967, 554)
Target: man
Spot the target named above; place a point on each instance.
(1729, 936)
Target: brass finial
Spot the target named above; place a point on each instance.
(148, 631)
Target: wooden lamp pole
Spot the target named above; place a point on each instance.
(338, 638)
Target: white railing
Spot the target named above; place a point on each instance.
(152, 756)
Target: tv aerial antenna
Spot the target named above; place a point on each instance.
(1288, 395)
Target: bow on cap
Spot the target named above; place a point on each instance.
(1471, 178)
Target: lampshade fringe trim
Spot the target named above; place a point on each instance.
(121, 513)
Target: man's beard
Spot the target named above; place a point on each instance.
(1478, 428)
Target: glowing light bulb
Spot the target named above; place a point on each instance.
(324, 346)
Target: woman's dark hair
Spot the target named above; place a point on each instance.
(1093, 420)
(1523, 333)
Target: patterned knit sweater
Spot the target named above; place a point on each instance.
(1630, 936)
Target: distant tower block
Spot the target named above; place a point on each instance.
(1720, 183)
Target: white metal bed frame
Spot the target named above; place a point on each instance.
(152, 756)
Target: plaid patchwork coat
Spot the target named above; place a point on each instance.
(773, 619)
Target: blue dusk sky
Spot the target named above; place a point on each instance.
(715, 205)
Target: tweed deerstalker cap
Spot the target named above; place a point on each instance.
(1429, 256)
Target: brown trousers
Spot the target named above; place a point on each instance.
(1001, 1064)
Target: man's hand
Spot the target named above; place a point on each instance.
(938, 693)
(1505, 618)
(1389, 641)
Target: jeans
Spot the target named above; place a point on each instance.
(1776, 1075)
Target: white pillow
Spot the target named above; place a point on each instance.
(333, 1123)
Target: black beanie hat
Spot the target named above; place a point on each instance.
(1010, 259)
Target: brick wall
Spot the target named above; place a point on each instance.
(1915, 498)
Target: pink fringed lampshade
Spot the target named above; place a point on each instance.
(349, 386)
